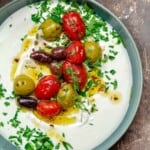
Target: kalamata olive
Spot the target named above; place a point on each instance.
(56, 67)
(23, 85)
(58, 53)
(41, 57)
(28, 102)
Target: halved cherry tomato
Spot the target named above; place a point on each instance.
(74, 74)
(73, 25)
(75, 52)
(48, 108)
(47, 87)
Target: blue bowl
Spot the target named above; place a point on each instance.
(134, 59)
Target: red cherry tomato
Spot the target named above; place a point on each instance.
(48, 108)
(75, 52)
(47, 87)
(75, 74)
(73, 25)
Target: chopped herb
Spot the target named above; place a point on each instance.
(91, 124)
(113, 71)
(56, 13)
(94, 108)
(107, 88)
(81, 106)
(44, 6)
(2, 91)
(105, 28)
(63, 134)
(36, 17)
(10, 25)
(17, 140)
(40, 75)
(1, 124)
(74, 78)
(14, 121)
(12, 96)
(23, 38)
(113, 52)
(57, 147)
(115, 84)
(93, 65)
(29, 146)
(100, 73)
(111, 46)
(104, 38)
(107, 77)
(67, 145)
(105, 58)
(116, 35)
(69, 71)
(7, 104)
(5, 114)
(111, 57)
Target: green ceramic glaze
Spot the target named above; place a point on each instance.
(134, 59)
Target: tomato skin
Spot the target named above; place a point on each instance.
(73, 25)
(48, 108)
(47, 87)
(71, 71)
(75, 52)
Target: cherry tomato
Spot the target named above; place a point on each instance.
(75, 52)
(73, 25)
(48, 108)
(75, 74)
(47, 87)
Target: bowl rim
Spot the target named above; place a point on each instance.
(136, 96)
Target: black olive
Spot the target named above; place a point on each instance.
(56, 67)
(28, 102)
(58, 53)
(41, 57)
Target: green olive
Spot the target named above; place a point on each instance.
(23, 85)
(51, 30)
(93, 51)
(66, 96)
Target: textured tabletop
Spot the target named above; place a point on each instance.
(135, 14)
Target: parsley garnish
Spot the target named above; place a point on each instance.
(1, 124)
(67, 145)
(115, 84)
(2, 91)
(7, 104)
(56, 13)
(14, 121)
(36, 140)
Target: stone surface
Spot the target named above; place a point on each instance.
(135, 15)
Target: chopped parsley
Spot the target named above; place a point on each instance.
(115, 84)
(67, 145)
(113, 71)
(10, 25)
(5, 114)
(74, 78)
(14, 121)
(2, 91)
(6, 103)
(56, 13)
(35, 139)
(13, 95)
(23, 38)
(116, 36)
(1, 124)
